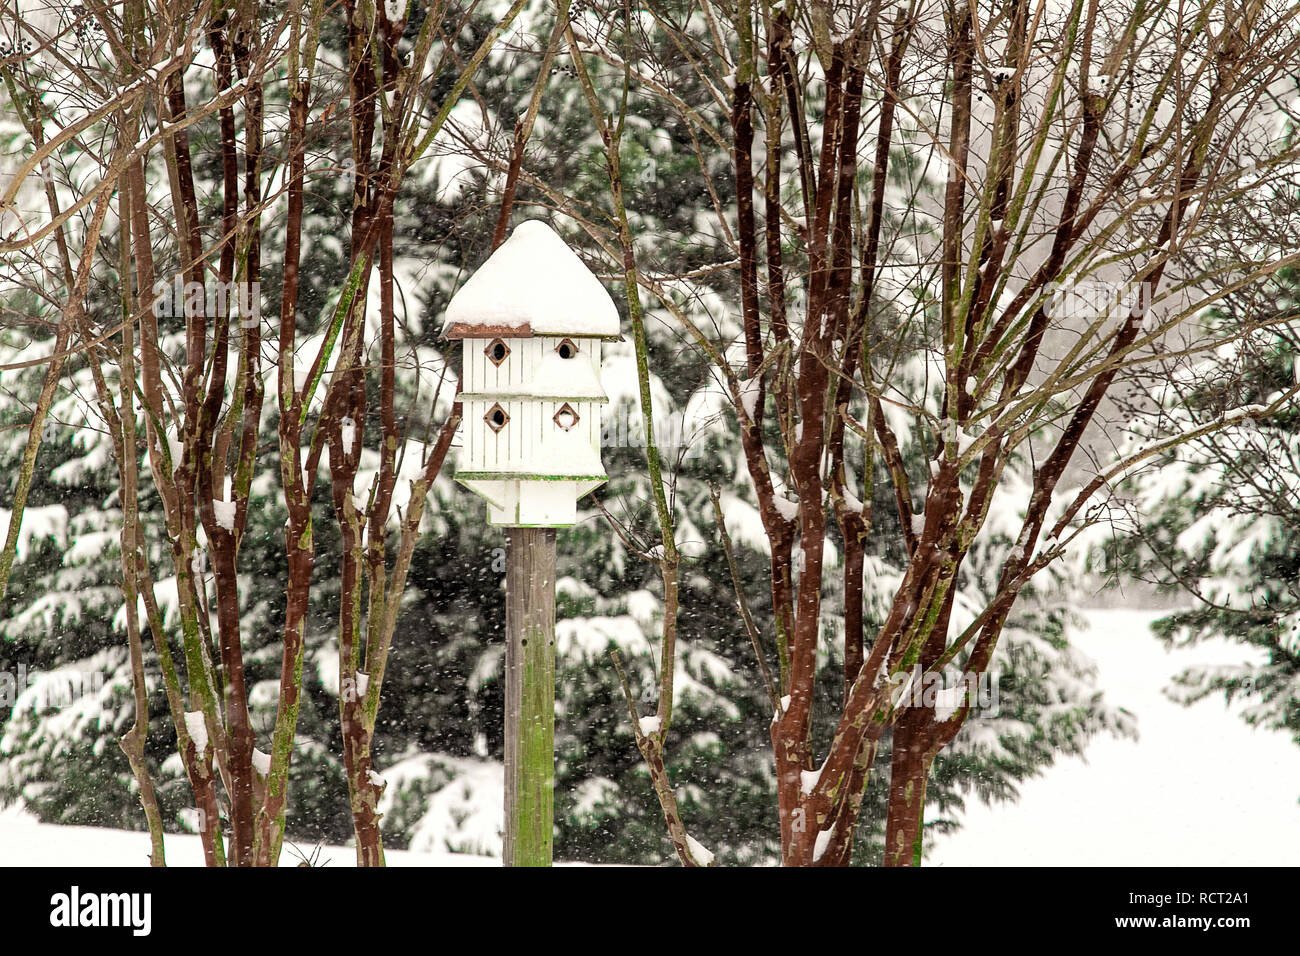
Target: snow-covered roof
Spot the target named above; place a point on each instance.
(532, 285)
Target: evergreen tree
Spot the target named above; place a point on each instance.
(1215, 521)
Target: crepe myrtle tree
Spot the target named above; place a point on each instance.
(1009, 190)
(145, 100)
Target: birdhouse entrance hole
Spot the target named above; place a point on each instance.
(566, 417)
(496, 418)
(497, 351)
(567, 349)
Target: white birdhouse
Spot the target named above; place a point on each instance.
(531, 322)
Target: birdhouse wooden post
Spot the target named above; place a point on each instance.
(531, 322)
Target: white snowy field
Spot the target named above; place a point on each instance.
(1199, 787)
(27, 842)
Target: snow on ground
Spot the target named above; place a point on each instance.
(1199, 787)
(25, 842)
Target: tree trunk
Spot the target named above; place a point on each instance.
(909, 770)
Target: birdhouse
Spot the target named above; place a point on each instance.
(531, 322)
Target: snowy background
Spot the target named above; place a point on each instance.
(1111, 743)
(1174, 796)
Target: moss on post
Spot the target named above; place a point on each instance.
(530, 696)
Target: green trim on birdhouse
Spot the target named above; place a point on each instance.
(466, 333)
(528, 397)
(520, 524)
(464, 476)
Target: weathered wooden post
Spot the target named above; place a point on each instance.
(531, 322)
(530, 695)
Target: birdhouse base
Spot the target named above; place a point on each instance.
(531, 503)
